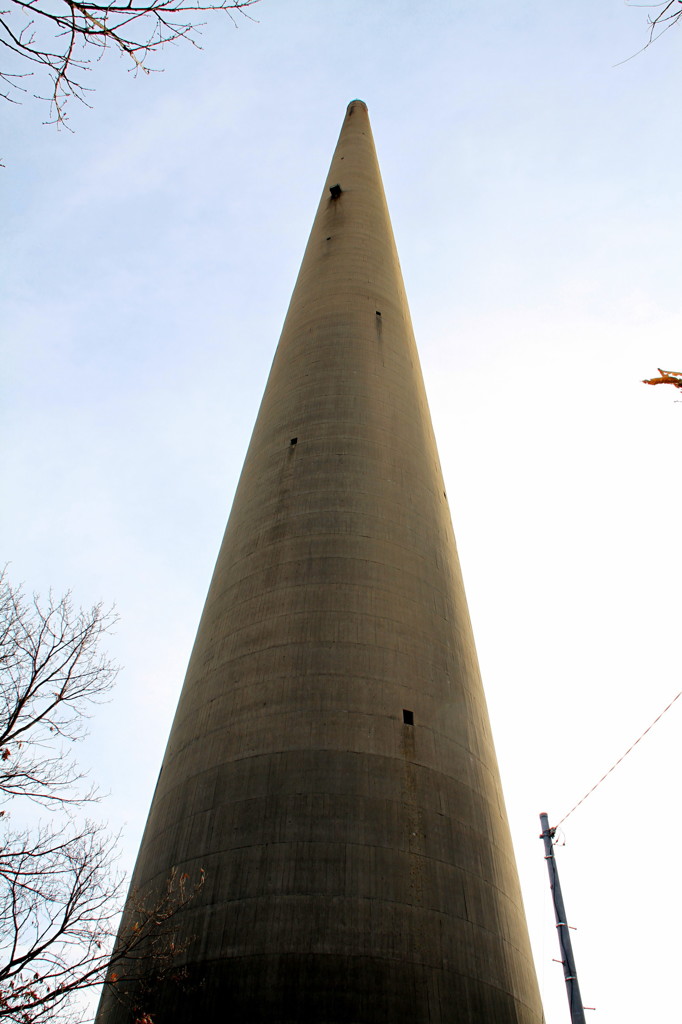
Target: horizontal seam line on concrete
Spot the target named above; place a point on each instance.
(370, 956)
(319, 557)
(353, 753)
(373, 899)
(418, 636)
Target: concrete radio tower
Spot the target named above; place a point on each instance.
(331, 767)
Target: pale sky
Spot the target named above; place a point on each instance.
(534, 188)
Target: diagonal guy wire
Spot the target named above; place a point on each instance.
(621, 758)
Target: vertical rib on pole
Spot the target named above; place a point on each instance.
(570, 974)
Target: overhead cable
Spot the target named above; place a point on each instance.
(622, 758)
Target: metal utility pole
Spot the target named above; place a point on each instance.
(575, 1001)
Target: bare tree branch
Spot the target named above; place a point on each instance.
(51, 675)
(59, 40)
(60, 894)
(669, 14)
(59, 906)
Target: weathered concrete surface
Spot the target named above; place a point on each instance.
(358, 869)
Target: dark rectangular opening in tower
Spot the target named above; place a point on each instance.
(408, 717)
